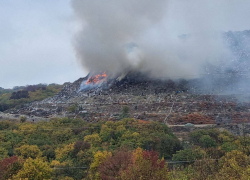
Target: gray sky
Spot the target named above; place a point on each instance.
(35, 42)
(36, 35)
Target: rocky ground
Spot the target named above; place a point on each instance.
(172, 102)
(156, 100)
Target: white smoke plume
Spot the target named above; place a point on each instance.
(118, 36)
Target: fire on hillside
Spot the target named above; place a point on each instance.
(97, 78)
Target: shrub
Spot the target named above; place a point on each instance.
(23, 119)
(206, 141)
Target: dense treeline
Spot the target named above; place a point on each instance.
(28, 88)
(54, 147)
(126, 149)
(212, 154)
(18, 96)
(3, 91)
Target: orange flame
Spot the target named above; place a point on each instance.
(97, 78)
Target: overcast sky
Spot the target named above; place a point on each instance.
(35, 43)
(36, 35)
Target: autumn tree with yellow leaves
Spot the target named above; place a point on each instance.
(35, 169)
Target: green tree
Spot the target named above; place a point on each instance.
(23, 119)
(196, 135)
(206, 141)
(125, 112)
(188, 155)
(48, 152)
(61, 136)
(3, 153)
(105, 132)
(168, 146)
(229, 146)
(72, 108)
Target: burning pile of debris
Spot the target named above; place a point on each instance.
(101, 96)
(99, 78)
(167, 101)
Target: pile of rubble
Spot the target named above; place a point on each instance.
(156, 100)
(167, 101)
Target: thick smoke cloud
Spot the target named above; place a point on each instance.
(164, 38)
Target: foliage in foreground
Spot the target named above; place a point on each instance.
(48, 150)
(126, 149)
(211, 154)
